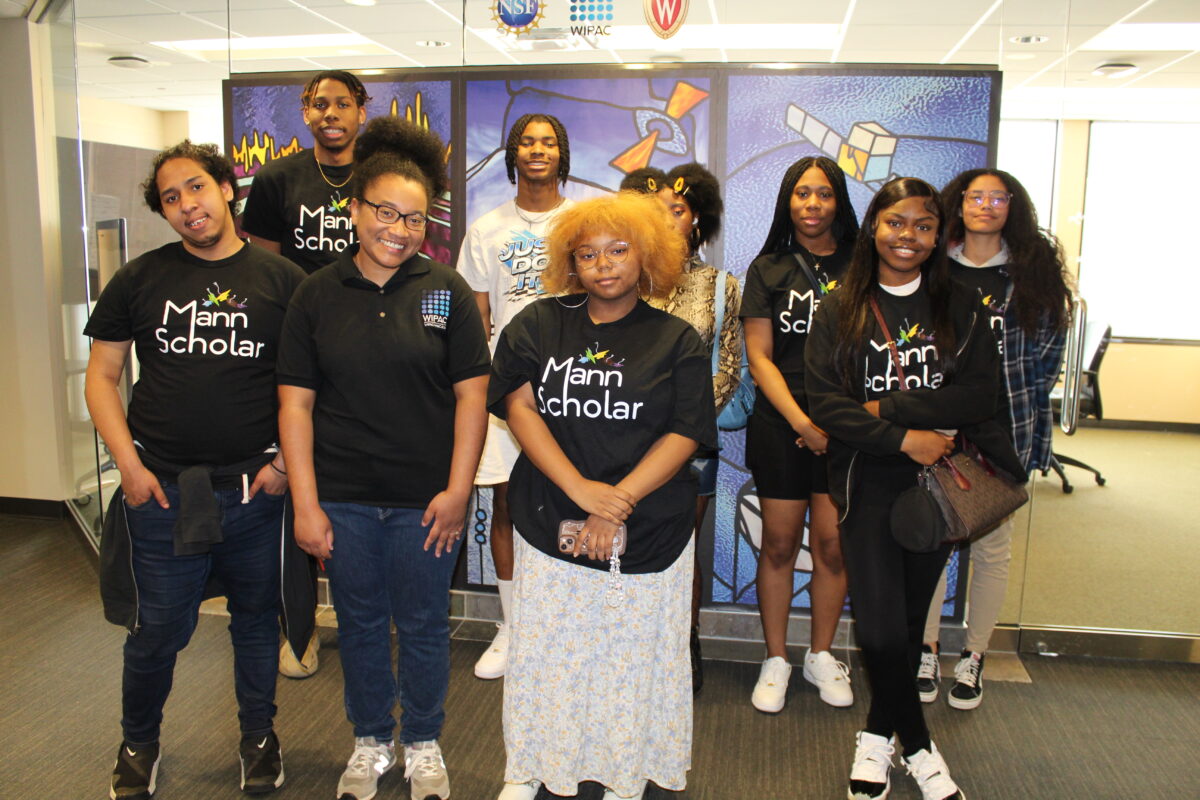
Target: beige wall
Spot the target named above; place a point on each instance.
(33, 412)
(1151, 382)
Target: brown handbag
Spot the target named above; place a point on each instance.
(959, 497)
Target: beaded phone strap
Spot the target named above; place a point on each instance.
(616, 587)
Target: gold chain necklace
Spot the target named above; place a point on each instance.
(326, 178)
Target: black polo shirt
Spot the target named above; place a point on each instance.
(383, 362)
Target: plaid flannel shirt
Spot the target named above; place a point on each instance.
(1031, 367)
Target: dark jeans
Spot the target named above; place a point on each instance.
(170, 589)
(379, 574)
(890, 591)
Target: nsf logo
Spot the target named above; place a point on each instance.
(518, 16)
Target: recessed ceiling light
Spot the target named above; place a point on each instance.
(361, 2)
(1115, 70)
(1035, 38)
(129, 61)
(432, 43)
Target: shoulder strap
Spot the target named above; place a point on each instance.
(808, 273)
(719, 318)
(891, 342)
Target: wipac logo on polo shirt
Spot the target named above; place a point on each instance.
(435, 308)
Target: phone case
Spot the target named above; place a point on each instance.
(570, 529)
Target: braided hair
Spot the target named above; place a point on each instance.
(514, 141)
(781, 236)
(391, 145)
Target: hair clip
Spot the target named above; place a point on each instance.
(652, 185)
(681, 188)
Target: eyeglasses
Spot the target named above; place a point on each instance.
(389, 216)
(589, 257)
(993, 199)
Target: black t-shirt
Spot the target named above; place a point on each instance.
(292, 204)
(383, 362)
(607, 392)
(992, 284)
(910, 322)
(206, 335)
(778, 288)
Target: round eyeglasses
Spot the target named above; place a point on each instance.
(414, 221)
(993, 199)
(589, 257)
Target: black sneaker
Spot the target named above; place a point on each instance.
(968, 682)
(928, 675)
(697, 663)
(135, 772)
(262, 763)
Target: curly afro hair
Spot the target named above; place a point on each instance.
(392, 145)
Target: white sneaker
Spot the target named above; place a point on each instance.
(424, 767)
(870, 777)
(771, 690)
(367, 764)
(932, 775)
(829, 675)
(520, 791)
(609, 794)
(493, 661)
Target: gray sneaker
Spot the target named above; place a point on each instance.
(368, 762)
(423, 765)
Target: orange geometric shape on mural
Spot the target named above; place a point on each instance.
(637, 156)
(684, 98)
(853, 161)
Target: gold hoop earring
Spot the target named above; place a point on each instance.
(650, 294)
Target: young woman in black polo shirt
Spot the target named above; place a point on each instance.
(382, 382)
(609, 399)
(805, 254)
(879, 434)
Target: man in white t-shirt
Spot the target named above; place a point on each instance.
(502, 258)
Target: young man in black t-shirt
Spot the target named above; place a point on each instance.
(299, 205)
(202, 482)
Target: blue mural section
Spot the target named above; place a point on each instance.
(747, 125)
(607, 121)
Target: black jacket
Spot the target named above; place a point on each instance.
(969, 400)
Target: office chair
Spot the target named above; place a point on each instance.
(1095, 343)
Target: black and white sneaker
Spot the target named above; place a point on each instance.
(968, 682)
(870, 777)
(262, 763)
(928, 675)
(135, 772)
(929, 770)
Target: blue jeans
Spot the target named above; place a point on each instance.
(170, 589)
(379, 574)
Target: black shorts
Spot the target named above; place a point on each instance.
(781, 470)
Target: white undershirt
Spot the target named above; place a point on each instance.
(904, 290)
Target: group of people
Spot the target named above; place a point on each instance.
(349, 409)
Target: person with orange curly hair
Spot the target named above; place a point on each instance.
(609, 399)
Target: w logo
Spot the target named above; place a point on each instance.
(665, 16)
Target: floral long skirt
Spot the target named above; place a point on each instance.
(596, 690)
